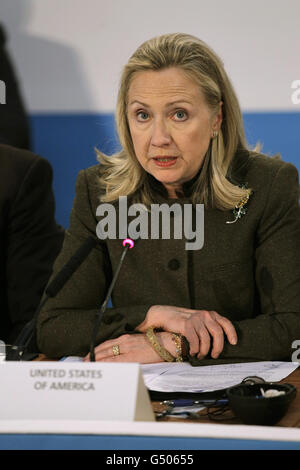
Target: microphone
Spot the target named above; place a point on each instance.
(21, 344)
(127, 243)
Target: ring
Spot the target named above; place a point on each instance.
(116, 350)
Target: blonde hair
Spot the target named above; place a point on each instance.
(121, 173)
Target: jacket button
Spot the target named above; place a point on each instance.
(174, 264)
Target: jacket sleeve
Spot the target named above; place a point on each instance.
(33, 242)
(66, 322)
(270, 335)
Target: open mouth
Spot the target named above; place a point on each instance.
(165, 161)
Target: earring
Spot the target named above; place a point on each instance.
(215, 134)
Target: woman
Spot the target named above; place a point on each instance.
(237, 297)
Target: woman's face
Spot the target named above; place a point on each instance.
(170, 124)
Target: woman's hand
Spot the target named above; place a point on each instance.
(133, 348)
(200, 327)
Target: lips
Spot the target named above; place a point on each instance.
(164, 156)
(164, 160)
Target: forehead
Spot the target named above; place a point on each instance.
(167, 83)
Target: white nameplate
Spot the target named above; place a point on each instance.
(73, 390)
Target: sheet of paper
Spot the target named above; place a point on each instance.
(182, 377)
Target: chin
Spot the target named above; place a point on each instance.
(166, 179)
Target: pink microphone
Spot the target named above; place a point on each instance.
(129, 242)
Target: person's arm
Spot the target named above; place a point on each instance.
(270, 335)
(33, 242)
(66, 322)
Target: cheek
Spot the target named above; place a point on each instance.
(140, 144)
(200, 138)
(195, 146)
(140, 148)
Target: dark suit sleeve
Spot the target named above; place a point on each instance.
(66, 322)
(33, 242)
(270, 335)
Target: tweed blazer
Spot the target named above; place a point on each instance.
(248, 271)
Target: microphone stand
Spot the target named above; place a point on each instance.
(20, 347)
(127, 243)
(24, 338)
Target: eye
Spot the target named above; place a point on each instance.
(181, 115)
(142, 115)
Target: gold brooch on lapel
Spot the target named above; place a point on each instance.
(240, 208)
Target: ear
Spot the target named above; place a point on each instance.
(218, 118)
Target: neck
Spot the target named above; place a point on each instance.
(174, 192)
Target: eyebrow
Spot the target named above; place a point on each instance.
(168, 104)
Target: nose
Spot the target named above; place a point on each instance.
(160, 134)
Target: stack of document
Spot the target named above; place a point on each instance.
(182, 377)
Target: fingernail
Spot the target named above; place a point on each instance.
(234, 341)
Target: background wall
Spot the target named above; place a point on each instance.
(68, 55)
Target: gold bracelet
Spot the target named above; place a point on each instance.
(162, 352)
(177, 338)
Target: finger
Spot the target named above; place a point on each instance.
(188, 330)
(217, 337)
(128, 357)
(205, 342)
(108, 352)
(108, 344)
(228, 328)
(184, 327)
